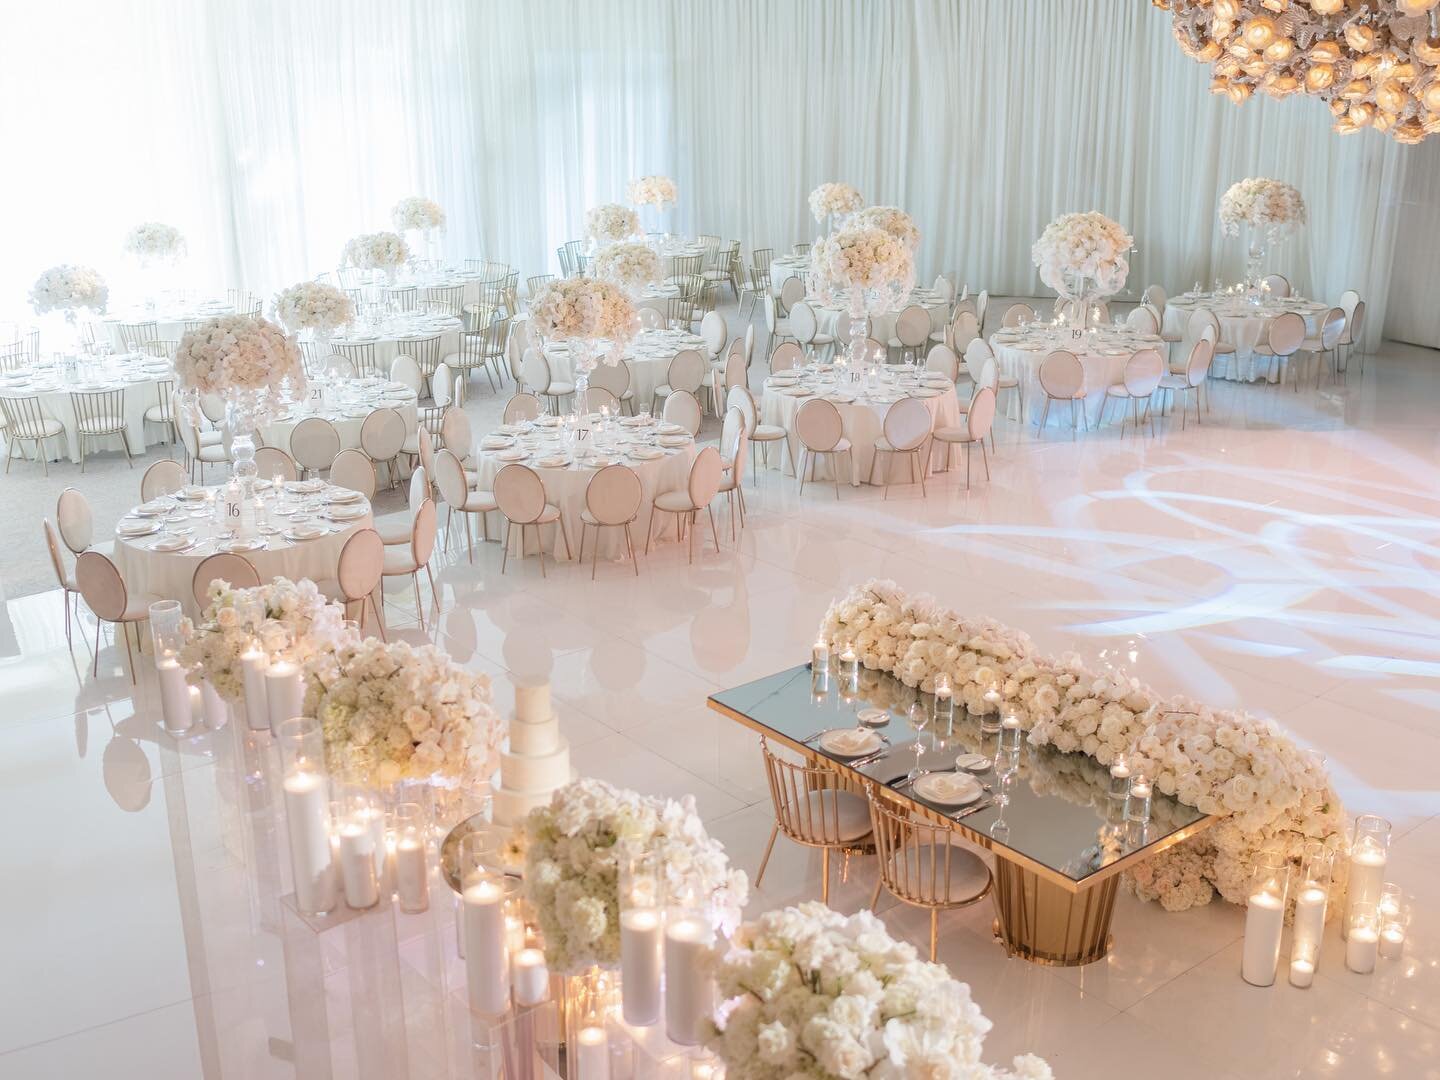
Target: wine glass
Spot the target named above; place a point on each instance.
(917, 716)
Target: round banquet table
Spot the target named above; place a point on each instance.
(140, 377)
(565, 483)
(882, 326)
(658, 296)
(863, 417)
(168, 574)
(347, 408)
(169, 319)
(786, 267)
(395, 334)
(670, 250)
(648, 355)
(1103, 356)
(410, 288)
(1243, 325)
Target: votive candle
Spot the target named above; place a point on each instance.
(593, 1056)
(253, 665)
(357, 865)
(412, 874)
(1362, 945)
(530, 978)
(820, 655)
(174, 695)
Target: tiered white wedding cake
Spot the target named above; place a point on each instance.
(537, 760)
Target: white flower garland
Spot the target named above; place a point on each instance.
(67, 288)
(893, 220)
(1262, 203)
(585, 309)
(405, 712)
(152, 241)
(417, 212)
(237, 352)
(812, 993)
(1087, 246)
(610, 223)
(1270, 794)
(376, 251)
(657, 191)
(313, 305)
(834, 199)
(292, 617)
(631, 266)
(574, 849)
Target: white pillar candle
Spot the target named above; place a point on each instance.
(196, 704)
(174, 695)
(217, 712)
(486, 972)
(253, 663)
(357, 866)
(1360, 950)
(376, 817)
(688, 987)
(1302, 973)
(640, 951)
(412, 880)
(1367, 878)
(284, 691)
(1264, 923)
(530, 978)
(820, 656)
(1392, 942)
(593, 1057)
(1309, 922)
(307, 809)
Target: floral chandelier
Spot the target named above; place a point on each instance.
(1375, 62)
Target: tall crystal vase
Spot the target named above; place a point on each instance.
(1255, 258)
(582, 362)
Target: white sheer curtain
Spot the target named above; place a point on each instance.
(1413, 314)
(273, 130)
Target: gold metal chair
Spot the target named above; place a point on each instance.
(100, 414)
(26, 422)
(361, 356)
(158, 347)
(162, 412)
(452, 296)
(679, 314)
(813, 809)
(683, 266)
(924, 865)
(134, 335)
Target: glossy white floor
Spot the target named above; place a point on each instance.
(1283, 556)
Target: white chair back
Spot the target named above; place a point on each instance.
(907, 423)
(162, 478)
(1197, 366)
(519, 493)
(818, 425)
(981, 415)
(441, 384)
(597, 398)
(787, 355)
(976, 353)
(404, 369)
(1156, 298)
(314, 442)
(535, 371)
(236, 570)
(450, 479)
(1016, 314)
(706, 473)
(361, 565)
(942, 359)
(963, 330)
(382, 435)
(455, 431)
(791, 293)
(1062, 375)
(271, 461)
(612, 377)
(739, 397)
(101, 585)
(687, 371)
(683, 408)
(1285, 332)
(1332, 328)
(614, 494)
(521, 407)
(1143, 372)
(912, 326)
(352, 469)
(1279, 284)
(1142, 319)
(76, 522)
(713, 332)
(802, 322)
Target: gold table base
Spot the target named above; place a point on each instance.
(1041, 922)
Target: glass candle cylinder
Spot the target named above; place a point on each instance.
(483, 893)
(849, 669)
(412, 862)
(529, 978)
(1362, 941)
(1264, 918)
(820, 656)
(167, 635)
(1369, 853)
(1392, 917)
(689, 988)
(307, 813)
(1137, 800)
(284, 691)
(990, 717)
(1311, 898)
(253, 665)
(640, 940)
(819, 685)
(356, 832)
(1120, 777)
(944, 702)
(1010, 733)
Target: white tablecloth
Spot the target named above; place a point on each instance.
(1243, 325)
(410, 289)
(671, 250)
(649, 357)
(170, 320)
(1103, 357)
(882, 326)
(395, 334)
(347, 419)
(785, 267)
(138, 376)
(168, 575)
(863, 420)
(565, 487)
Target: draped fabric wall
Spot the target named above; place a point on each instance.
(1413, 315)
(273, 130)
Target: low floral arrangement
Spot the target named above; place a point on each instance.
(834, 199)
(893, 220)
(1261, 203)
(630, 265)
(154, 241)
(654, 191)
(417, 212)
(575, 847)
(237, 352)
(68, 288)
(313, 305)
(405, 712)
(860, 259)
(1270, 794)
(290, 617)
(376, 251)
(609, 223)
(816, 994)
(1083, 255)
(584, 309)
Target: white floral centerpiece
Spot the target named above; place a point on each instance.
(835, 201)
(69, 288)
(289, 617)
(865, 270)
(630, 265)
(893, 220)
(1261, 203)
(586, 313)
(418, 213)
(609, 223)
(315, 306)
(811, 993)
(574, 849)
(657, 191)
(1082, 257)
(1271, 795)
(376, 251)
(237, 353)
(406, 712)
(154, 241)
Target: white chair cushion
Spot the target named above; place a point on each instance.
(928, 872)
(1172, 337)
(1118, 390)
(822, 339)
(97, 425)
(394, 532)
(411, 445)
(674, 501)
(212, 453)
(560, 389)
(478, 501)
(844, 812)
(768, 433)
(1173, 382)
(398, 560)
(156, 415)
(841, 446)
(211, 438)
(952, 434)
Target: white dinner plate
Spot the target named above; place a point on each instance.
(873, 717)
(192, 494)
(516, 454)
(850, 742)
(304, 487)
(926, 391)
(242, 544)
(671, 429)
(345, 513)
(646, 453)
(496, 444)
(948, 789)
(674, 440)
(305, 532)
(973, 762)
(172, 543)
(342, 495)
(131, 529)
(554, 461)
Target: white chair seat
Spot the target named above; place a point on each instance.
(847, 814)
(951, 434)
(1174, 381)
(211, 438)
(883, 443)
(395, 532)
(782, 328)
(673, 501)
(928, 870)
(479, 502)
(663, 390)
(628, 395)
(212, 454)
(1171, 336)
(1224, 347)
(155, 414)
(44, 430)
(938, 335)
(822, 339)
(560, 389)
(1118, 389)
(1005, 382)
(589, 518)
(399, 560)
(1312, 344)
(840, 447)
(767, 433)
(100, 425)
(453, 360)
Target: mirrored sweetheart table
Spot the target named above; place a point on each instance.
(1058, 837)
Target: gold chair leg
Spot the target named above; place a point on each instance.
(934, 931)
(765, 861)
(875, 896)
(825, 875)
